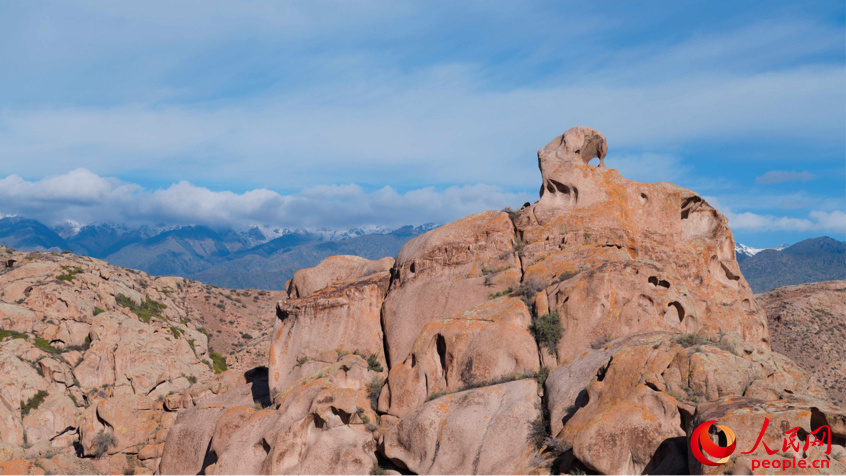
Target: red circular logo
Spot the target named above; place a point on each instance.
(701, 444)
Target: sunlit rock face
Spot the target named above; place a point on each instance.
(588, 331)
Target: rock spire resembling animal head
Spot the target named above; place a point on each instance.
(579, 144)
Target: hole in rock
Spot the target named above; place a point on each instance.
(440, 344)
(688, 205)
(600, 374)
(678, 309)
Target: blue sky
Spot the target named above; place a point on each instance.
(338, 114)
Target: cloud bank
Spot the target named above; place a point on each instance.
(85, 197)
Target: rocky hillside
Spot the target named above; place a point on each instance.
(591, 331)
(89, 352)
(808, 324)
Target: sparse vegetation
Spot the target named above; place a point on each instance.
(101, 443)
(694, 340)
(44, 345)
(547, 331)
(98, 310)
(218, 362)
(362, 416)
(528, 288)
(145, 311)
(374, 388)
(504, 292)
(33, 403)
(82, 348)
(69, 274)
(378, 470)
(5, 333)
(177, 332)
(373, 363)
(302, 360)
(542, 375)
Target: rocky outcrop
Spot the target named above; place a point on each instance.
(644, 392)
(484, 344)
(614, 257)
(447, 270)
(335, 268)
(88, 355)
(481, 431)
(310, 332)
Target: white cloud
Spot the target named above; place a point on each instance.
(816, 221)
(88, 198)
(778, 176)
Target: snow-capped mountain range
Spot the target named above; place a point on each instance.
(744, 250)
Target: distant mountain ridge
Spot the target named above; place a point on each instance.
(260, 257)
(811, 260)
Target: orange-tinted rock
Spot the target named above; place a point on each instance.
(342, 317)
(447, 270)
(616, 257)
(639, 402)
(133, 420)
(479, 345)
(479, 431)
(333, 269)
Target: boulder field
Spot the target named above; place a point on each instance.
(592, 331)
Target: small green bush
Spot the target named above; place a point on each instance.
(44, 345)
(373, 363)
(177, 332)
(302, 361)
(33, 403)
(218, 362)
(101, 443)
(374, 388)
(4, 333)
(547, 330)
(378, 470)
(145, 311)
(70, 273)
(362, 416)
(98, 310)
(504, 292)
(543, 374)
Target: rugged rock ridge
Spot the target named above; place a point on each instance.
(590, 330)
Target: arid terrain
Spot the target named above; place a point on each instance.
(589, 332)
(808, 324)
